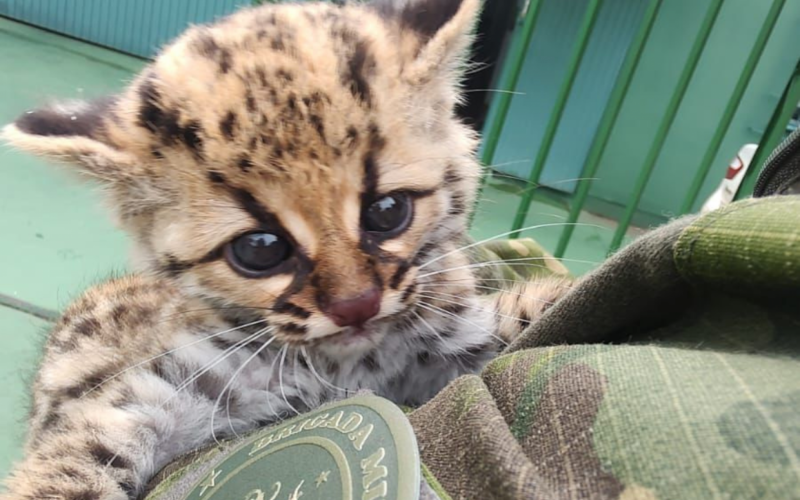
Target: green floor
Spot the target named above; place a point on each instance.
(57, 239)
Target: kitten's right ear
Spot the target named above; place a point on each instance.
(74, 133)
(444, 30)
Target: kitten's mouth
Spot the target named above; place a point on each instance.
(369, 333)
(352, 334)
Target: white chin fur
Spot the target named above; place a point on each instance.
(348, 347)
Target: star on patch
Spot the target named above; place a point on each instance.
(322, 478)
(210, 482)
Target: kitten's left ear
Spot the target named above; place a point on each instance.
(74, 133)
(445, 30)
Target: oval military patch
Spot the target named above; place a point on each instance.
(359, 449)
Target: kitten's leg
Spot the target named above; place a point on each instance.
(109, 444)
(525, 302)
(100, 455)
(128, 382)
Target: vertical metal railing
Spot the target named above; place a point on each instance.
(733, 104)
(576, 58)
(615, 104)
(509, 80)
(667, 121)
(607, 123)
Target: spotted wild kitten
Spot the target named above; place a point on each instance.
(297, 188)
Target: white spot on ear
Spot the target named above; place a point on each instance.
(74, 107)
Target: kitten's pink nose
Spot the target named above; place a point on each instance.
(357, 311)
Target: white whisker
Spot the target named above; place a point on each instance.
(434, 309)
(295, 360)
(430, 327)
(574, 179)
(474, 279)
(509, 163)
(438, 335)
(537, 299)
(280, 380)
(481, 287)
(515, 231)
(498, 91)
(317, 375)
(211, 364)
(458, 349)
(434, 297)
(167, 353)
(269, 392)
(508, 289)
(230, 383)
(223, 308)
(516, 262)
(535, 185)
(534, 259)
(197, 374)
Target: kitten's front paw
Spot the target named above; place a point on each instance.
(525, 302)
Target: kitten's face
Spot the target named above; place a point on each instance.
(296, 163)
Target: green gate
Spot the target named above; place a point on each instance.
(714, 18)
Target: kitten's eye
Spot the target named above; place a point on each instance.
(255, 254)
(389, 215)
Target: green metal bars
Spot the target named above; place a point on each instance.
(509, 79)
(584, 33)
(699, 51)
(666, 122)
(607, 123)
(733, 104)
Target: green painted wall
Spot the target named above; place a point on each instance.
(664, 57)
(541, 76)
(708, 94)
(138, 27)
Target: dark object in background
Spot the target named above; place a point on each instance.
(496, 25)
(781, 172)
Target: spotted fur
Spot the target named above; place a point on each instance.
(289, 117)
